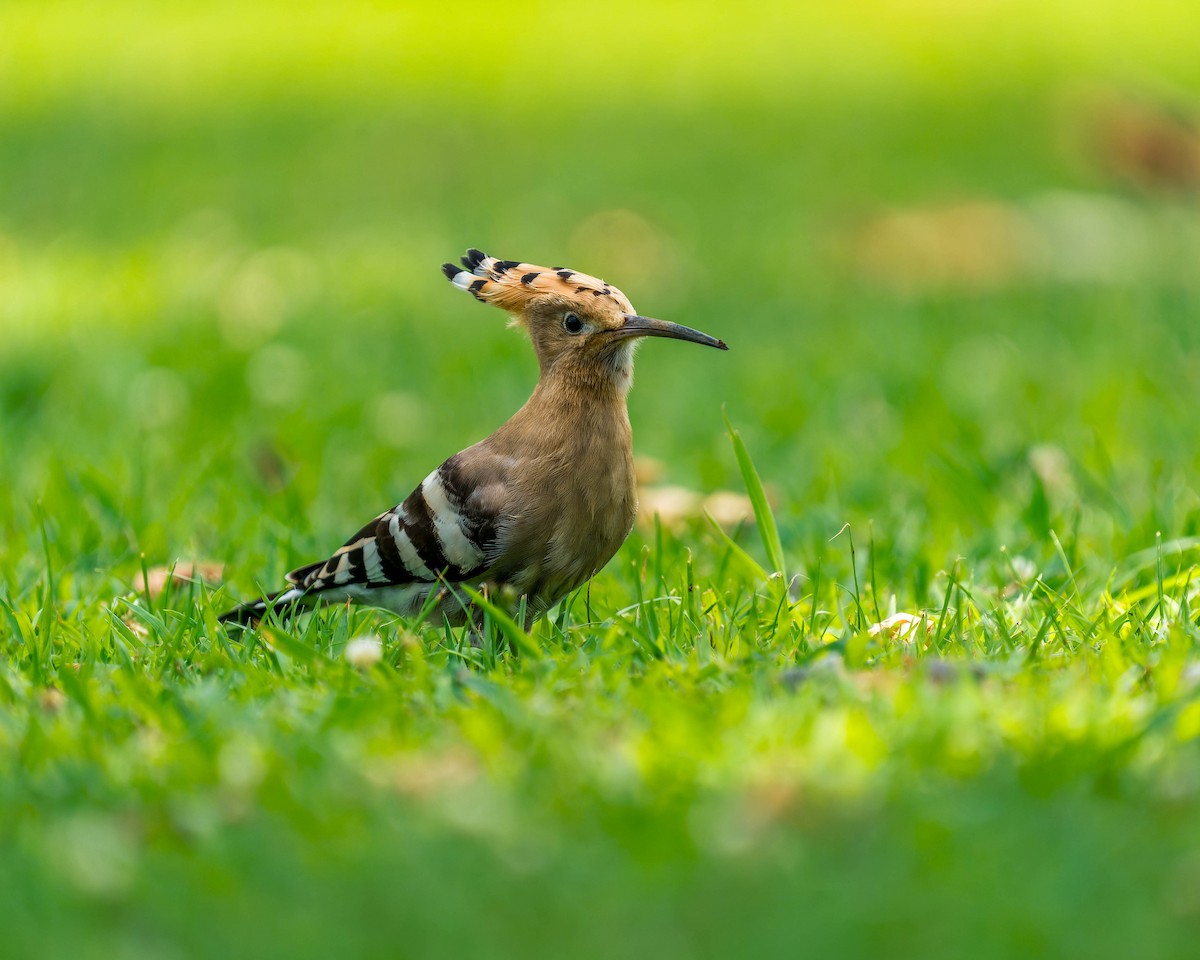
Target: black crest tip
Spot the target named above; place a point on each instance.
(451, 270)
(474, 258)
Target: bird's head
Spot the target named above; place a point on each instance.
(575, 321)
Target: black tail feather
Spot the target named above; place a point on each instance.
(283, 603)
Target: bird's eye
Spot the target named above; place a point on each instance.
(572, 324)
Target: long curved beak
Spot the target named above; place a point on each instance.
(636, 326)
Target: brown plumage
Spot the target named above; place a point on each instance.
(537, 508)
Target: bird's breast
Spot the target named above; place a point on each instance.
(590, 527)
(579, 502)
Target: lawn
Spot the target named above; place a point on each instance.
(955, 250)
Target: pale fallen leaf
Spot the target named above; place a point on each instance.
(157, 579)
(979, 244)
(136, 627)
(648, 470)
(728, 508)
(672, 505)
(675, 506)
(423, 775)
(900, 625)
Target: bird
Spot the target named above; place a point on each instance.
(533, 511)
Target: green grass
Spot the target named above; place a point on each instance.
(225, 337)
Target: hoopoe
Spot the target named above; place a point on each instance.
(536, 509)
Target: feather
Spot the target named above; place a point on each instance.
(511, 284)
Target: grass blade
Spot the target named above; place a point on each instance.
(764, 518)
(520, 641)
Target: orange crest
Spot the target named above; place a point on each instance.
(510, 285)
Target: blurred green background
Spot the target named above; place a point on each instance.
(916, 223)
(955, 249)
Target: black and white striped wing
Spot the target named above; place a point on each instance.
(448, 529)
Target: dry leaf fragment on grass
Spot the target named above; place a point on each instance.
(675, 506)
(977, 244)
(728, 508)
(136, 627)
(425, 775)
(672, 505)
(158, 579)
(986, 244)
(900, 626)
(648, 470)
(1147, 141)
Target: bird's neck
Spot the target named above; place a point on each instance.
(595, 372)
(574, 406)
(604, 380)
